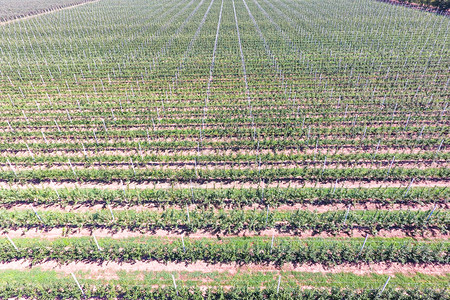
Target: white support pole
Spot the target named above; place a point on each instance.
(196, 169)
(335, 185)
(84, 151)
(96, 242)
(12, 169)
(56, 191)
(175, 284)
(279, 282)
(36, 213)
(43, 135)
(12, 243)
(57, 126)
(73, 170)
(346, 214)
(384, 286)
(110, 210)
(78, 284)
(29, 151)
(429, 216)
(26, 118)
(140, 151)
(409, 187)
(182, 241)
(104, 125)
(390, 166)
(438, 149)
(10, 127)
(95, 136)
(365, 240)
(271, 245)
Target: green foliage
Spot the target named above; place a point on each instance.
(224, 197)
(229, 250)
(109, 291)
(231, 221)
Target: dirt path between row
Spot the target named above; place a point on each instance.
(229, 184)
(47, 12)
(249, 165)
(355, 150)
(57, 233)
(110, 269)
(283, 207)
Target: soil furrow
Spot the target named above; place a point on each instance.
(113, 267)
(304, 207)
(228, 184)
(55, 233)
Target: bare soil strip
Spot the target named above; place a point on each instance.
(220, 152)
(228, 184)
(382, 165)
(56, 233)
(113, 267)
(47, 12)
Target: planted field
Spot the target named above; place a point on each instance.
(11, 10)
(258, 149)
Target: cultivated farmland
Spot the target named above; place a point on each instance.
(224, 149)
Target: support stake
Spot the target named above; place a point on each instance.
(79, 286)
(12, 243)
(96, 242)
(175, 284)
(365, 240)
(384, 286)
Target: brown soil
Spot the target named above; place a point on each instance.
(126, 153)
(231, 165)
(53, 234)
(111, 138)
(114, 267)
(233, 184)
